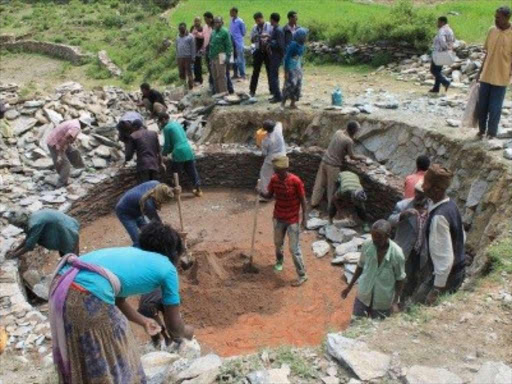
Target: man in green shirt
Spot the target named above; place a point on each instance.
(177, 144)
(382, 271)
(49, 228)
(349, 190)
(219, 54)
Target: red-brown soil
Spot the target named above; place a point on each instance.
(237, 312)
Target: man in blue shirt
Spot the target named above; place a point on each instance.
(237, 30)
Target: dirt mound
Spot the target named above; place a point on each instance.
(223, 292)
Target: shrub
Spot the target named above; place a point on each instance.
(381, 58)
(128, 77)
(170, 76)
(339, 37)
(113, 21)
(317, 31)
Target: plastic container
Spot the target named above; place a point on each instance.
(260, 135)
(337, 97)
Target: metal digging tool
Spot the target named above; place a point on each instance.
(187, 260)
(249, 266)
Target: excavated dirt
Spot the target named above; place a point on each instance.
(235, 312)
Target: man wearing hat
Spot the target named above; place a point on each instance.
(349, 189)
(445, 238)
(130, 122)
(64, 154)
(288, 190)
(49, 228)
(409, 218)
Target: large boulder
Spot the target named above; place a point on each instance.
(270, 376)
(207, 366)
(156, 365)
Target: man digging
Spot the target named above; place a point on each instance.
(288, 190)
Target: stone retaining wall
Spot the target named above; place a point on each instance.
(59, 51)
(239, 168)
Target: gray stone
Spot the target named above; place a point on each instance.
(55, 117)
(41, 290)
(11, 114)
(22, 124)
(106, 62)
(330, 380)
(105, 141)
(493, 373)
(44, 163)
(156, 365)
(337, 343)
(476, 192)
(200, 366)
(53, 199)
(334, 234)
(99, 163)
(33, 103)
(367, 365)
(316, 223)
(349, 270)
(507, 153)
(426, 375)
(270, 376)
(345, 248)
(320, 248)
(351, 257)
(103, 151)
(11, 231)
(189, 349)
(32, 277)
(338, 260)
(70, 86)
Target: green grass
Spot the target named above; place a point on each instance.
(299, 366)
(132, 32)
(476, 16)
(500, 257)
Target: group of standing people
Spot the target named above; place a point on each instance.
(272, 46)
(494, 74)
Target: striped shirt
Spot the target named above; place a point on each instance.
(288, 194)
(60, 137)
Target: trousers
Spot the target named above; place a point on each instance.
(273, 76)
(190, 169)
(280, 230)
(490, 103)
(132, 225)
(63, 161)
(436, 70)
(326, 178)
(259, 58)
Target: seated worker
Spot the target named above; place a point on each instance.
(382, 272)
(349, 190)
(152, 100)
(49, 228)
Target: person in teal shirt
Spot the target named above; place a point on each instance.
(89, 316)
(49, 228)
(177, 144)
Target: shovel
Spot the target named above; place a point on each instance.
(249, 267)
(187, 260)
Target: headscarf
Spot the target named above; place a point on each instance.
(439, 176)
(300, 35)
(359, 195)
(20, 218)
(162, 193)
(281, 162)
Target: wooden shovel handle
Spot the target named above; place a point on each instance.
(255, 224)
(177, 184)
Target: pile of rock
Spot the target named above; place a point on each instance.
(361, 53)
(417, 68)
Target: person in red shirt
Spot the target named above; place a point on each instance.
(288, 190)
(422, 165)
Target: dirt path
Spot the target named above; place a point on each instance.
(243, 313)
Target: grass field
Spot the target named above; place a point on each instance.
(132, 32)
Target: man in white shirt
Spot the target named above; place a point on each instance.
(272, 146)
(443, 42)
(445, 236)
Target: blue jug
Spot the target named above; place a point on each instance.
(337, 97)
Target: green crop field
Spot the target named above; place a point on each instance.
(132, 31)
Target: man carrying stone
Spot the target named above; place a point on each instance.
(129, 123)
(272, 146)
(381, 273)
(494, 75)
(349, 190)
(64, 154)
(288, 190)
(49, 228)
(445, 238)
(152, 100)
(422, 164)
(341, 146)
(260, 36)
(219, 53)
(145, 144)
(409, 218)
(185, 55)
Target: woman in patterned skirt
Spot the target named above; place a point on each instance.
(293, 68)
(89, 314)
